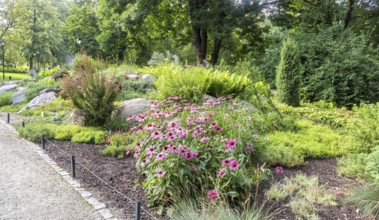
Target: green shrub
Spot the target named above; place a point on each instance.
(223, 83)
(353, 165)
(49, 72)
(75, 133)
(6, 99)
(189, 84)
(281, 155)
(34, 88)
(14, 69)
(366, 129)
(12, 108)
(118, 145)
(310, 141)
(372, 168)
(86, 136)
(135, 89)
(91, 91)
(34, 131)
(366, 198)
(288, 74)
(339, 66)
(59, 105)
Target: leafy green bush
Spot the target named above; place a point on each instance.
(6, 99)
(223, 83)
(86, 136)
(339, 66)
(49, 72)
(34, 88)
(91, 91)
(366, 129)
(372, 168)
(135, 89)
(353, 165)
(34, 131)
(288, 74)
(189, 84)
(57, 106)
(117, 145)
(14, 69)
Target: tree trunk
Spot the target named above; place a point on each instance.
(199, 33)
(349, 13)
(216, 51)
(31, 63)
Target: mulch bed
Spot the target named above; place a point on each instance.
(122, 175)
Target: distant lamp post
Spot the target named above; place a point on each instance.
(78, 41)
(3, 46)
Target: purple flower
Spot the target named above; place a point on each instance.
(279, 170)
(213, 195)
(213, 124)
(149, 127)
(160, 173)
(225, 161)
(156, 134)
(230, 144)
(218, 129)
(204, 139)
(172, 125)
(161, 156)
(151, 151)
(249, 148)
(233, 165)
(221, 173)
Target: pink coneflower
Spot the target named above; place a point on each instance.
(213, 195)
(279, 170)
(249, 148)
(150, 151)
(140, 118)
(149, 127)
(194, 168)
(160, 173)
(204, 139)
(225, 161)
(172, 125)
(230, 144)
(156, 134)
(233, 165)
(219, 129)
(144, 161)
(161, 156)
(190, 155)
(174, 149)
(213, 124)
(221, 173)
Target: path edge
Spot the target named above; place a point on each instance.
(98, 206)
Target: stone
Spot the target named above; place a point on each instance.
(56, 91)
(148, 78)
(7, 88)
(133, 107)
(76, 117)
(40, 100)
(19, 96)
(208, 97)
(132, 76)
(60, 74)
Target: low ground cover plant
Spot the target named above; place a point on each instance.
(34, 88)
(74, 133)
(6, 98)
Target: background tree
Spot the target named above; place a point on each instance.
(288, 73)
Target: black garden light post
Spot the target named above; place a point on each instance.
(3, 47)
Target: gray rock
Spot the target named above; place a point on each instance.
(56, 91)
(133, 107)
(7, 88)
(148, 77)
(40, 100)
(19, 96)
(208, 97)
(75, 117)
(132, 76)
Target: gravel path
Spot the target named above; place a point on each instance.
(31, 189)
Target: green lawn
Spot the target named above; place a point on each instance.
(15, 76)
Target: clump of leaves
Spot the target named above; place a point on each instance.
(91, 91)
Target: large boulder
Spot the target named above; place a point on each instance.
(132, 76)
(19, 96)
(56, 91)
(60, 74)
(7, 88)
(148, 78)
(76, 117)
(133, 107)
(40, 100)
(209, 98)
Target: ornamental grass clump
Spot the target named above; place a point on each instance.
(204, 151)
(91, 91)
